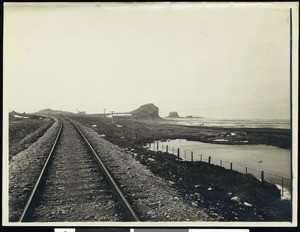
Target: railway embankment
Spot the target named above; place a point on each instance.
(25, 130)
(73, 189)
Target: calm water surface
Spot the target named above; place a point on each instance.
(259, 157)
(233, 123)
(275, 162)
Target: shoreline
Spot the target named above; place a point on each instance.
(277, 137)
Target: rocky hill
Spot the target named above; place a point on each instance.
(53, 112)
(173, 115)
(146, 111)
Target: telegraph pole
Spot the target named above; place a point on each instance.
(104, 112)
(132, 135)
(112, 117)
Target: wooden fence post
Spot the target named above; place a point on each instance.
(157, 146)
(167, 148)
(201, 157)
(221, 163)
(192, 156)
(231, 166)
(178, 153)
(281, 186)
(246, 170)
(209, 159)
(262, 176)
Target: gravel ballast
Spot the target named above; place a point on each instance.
(76, 189)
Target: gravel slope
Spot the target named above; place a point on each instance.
(24, 169)
(24, 132)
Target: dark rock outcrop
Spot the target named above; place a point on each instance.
(146, 111)
(173, 115)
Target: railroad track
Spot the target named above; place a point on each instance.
(75, 185)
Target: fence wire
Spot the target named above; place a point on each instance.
(282, 182)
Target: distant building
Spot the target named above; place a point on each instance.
(81, 112)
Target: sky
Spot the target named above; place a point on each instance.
(216, 62)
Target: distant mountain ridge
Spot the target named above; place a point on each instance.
(149, 111)
(53, 112)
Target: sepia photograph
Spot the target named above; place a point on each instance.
(150, 114)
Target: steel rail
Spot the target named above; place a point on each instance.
(37, 183)
(119, 194)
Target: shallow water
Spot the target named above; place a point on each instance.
(233, 123)
(275, 162)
